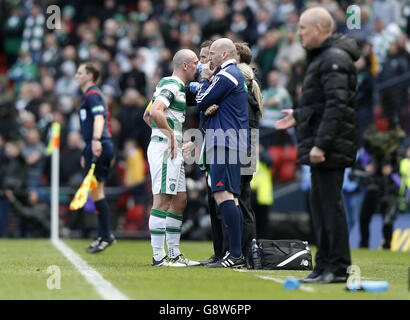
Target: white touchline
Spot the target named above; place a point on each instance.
(104, 288)
(302, 287)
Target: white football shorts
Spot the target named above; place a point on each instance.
(167, 175)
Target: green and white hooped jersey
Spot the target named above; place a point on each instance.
(171, 91)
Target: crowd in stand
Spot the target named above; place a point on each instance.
(133, 42)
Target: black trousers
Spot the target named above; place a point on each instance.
(388, 208)
(249, 222)
(329, 221)
(219, 234)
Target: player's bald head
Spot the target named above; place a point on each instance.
(181, 56)
(319, 16)
(225, 44)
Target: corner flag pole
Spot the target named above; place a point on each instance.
(55, 168)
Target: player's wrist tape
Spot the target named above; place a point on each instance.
(96, 138)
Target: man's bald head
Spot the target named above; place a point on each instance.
(220, 51)
(181, 56)
(225, 44)
(321, 16)
(185, 63)
(315, 25)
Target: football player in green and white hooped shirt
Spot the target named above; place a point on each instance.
(166, 114)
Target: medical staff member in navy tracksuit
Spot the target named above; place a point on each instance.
(225, 100)
(96, 132)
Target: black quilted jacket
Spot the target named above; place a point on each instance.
(326, 112)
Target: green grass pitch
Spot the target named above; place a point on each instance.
(127, 265)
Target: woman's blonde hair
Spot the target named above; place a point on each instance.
(250, 80)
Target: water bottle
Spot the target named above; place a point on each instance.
(193, 87)
(306, 245)
(200, 67)
(256, 255)
(375, 286)
(371, 286)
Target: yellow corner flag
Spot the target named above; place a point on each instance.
(89, 183)
(54, 139)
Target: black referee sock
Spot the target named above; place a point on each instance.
(232, 218)
(103, 218)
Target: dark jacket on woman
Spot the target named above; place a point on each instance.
(326, 112)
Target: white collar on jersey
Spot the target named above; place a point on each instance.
(179, 80)
(227, 62)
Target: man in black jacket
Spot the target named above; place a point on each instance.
(327, 136)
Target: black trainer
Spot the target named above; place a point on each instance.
(104, 243)
(94, 244)
(228, 262)
(312, 277)
(212, 259)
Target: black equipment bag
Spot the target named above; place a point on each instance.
(282, 255)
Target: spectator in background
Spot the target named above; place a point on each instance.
(404, 46)
(114, 78)
(27, 122)
(268, 48)
(33, 153)
(295, 81)
(219, 23)
(25, 69)
(87, 37)
(203, 12)
(130, 117)
(243, 22)
(393, 88)
(49, 95)
(33, 32)
(352, 199)
(135, 171)
(276, 99)
(36, 98)
(34, 216)
(13, 30)
(380, 40)
(381, 162)
(8, 112)
(386, 10)
(290, 50)
(66, 84)
(284, 7)
(51, 53)
(108, 11)
(12, 179)
(4, 205)
(112, 101)
(70, 167)
(365, 94)
(263, 22)
(45, 114)
(70, 53)
(135, 78)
